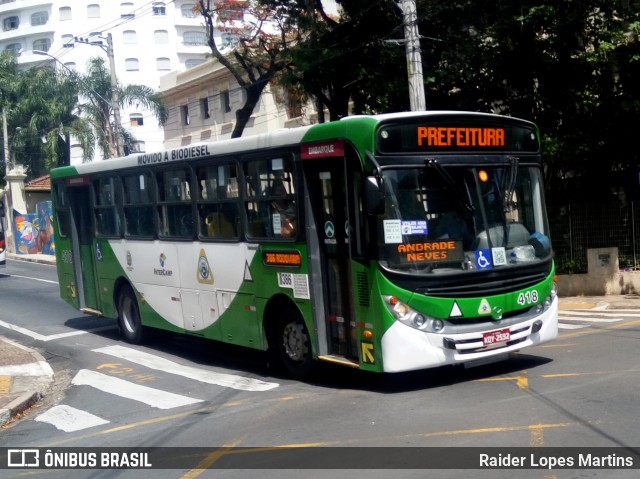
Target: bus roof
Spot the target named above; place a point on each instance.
(359, 128)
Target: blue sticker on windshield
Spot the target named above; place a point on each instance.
(415, 227)
(483, 259)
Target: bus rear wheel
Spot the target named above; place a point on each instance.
(129, 320)
(294, 345)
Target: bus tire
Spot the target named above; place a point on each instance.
(129, 320)
(294, 345)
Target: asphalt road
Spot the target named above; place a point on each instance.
(580, 391)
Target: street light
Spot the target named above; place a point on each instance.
(115, 102)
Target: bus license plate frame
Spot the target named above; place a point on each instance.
(498, 336)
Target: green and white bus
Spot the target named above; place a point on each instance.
(387, 243)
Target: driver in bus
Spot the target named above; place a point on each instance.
(284, 208)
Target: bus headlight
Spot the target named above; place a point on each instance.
(412, 318)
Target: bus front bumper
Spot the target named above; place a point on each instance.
(407, 349)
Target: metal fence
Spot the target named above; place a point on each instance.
(576, 227)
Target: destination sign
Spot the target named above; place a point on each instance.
(431, 251)
(462, 134)
(282, 258)
(323, 149)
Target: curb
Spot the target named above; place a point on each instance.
(21, 403)
(38, 372)
(42, 259)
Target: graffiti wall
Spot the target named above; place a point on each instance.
(34, 231)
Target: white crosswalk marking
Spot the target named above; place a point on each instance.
(155, 362)
(151, 396)
(70, 419)
(579, 319)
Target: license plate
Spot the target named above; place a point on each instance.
(493, 337)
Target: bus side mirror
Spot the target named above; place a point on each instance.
(1, 209)
(374, 197)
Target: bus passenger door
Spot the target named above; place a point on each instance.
(327, 227)
(83, 253)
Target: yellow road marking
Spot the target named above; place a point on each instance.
(537, 437)
(5, 384)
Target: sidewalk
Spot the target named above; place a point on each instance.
(25, 375)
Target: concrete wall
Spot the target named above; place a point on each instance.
(603, 277)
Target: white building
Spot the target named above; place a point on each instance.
(150, 39)
(160, 44)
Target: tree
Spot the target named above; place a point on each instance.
(8, 94)
(94, 88)
(262, 35)
(47, 114)
(352, 63)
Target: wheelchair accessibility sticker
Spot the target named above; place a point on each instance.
(483, 259)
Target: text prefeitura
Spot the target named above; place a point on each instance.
(534, 461)
(171, 155)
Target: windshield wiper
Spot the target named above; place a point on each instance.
(461, 196)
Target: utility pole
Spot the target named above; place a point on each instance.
(115, 100)
(417, 99)
(8, 231)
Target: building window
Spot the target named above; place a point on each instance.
(225, 101)
(67, 40)
(204, 108)
(131, 64)
(138, 147)
(136, 119)
(127, 10)
(161, 36)
(193, 62)
(159, 9)
(13, 48)
(184, 113)
(65, 13)
(93, 11)
(129, 36)
(228, 39)
(194, 38)
(42, 45)
(39, 18)
(10, 23)
(187, 11)
(163, 64)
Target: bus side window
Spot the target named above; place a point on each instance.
(137, 205)
(106, 214)
(62, 209)
(218, 201)
(175, 212)
(270, 205)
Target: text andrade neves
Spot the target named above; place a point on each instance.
(551, 462)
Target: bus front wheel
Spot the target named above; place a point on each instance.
(294, 345)
(129, 320)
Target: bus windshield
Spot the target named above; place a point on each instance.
(481, 213)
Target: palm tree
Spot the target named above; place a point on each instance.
(95, 90)
(47, 113)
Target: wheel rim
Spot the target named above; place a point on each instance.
(295, 342)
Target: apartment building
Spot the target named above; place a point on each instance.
(150, 39)
(161, 44)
